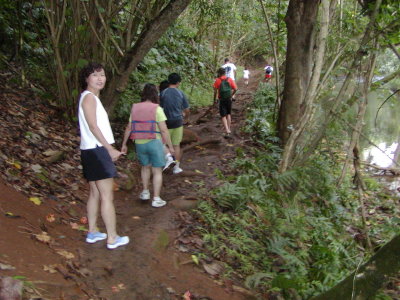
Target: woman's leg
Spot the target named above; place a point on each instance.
(146, 172)
(92, 206)
(105, 188)
(157, 181)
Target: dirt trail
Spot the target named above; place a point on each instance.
(157, 264)
(152, 267)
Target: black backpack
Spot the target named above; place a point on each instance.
(227, 70)
(268, 70)
(225, 90)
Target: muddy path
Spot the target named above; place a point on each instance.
(156, 264)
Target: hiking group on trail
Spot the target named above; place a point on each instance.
(155, 126)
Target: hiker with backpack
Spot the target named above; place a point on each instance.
(224, 87)
(268, 72)
(230, 69)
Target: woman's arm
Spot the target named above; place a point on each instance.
(165, 135)
(127, 133)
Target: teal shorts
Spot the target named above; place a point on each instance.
(151, 153)
(176, 135)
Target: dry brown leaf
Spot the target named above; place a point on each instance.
(66, 254)
(213, 268)
(50, 268)
(36, 168)
(43, 237)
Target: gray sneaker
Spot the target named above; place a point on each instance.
(177, 170)
(145, 195)
(158, 202)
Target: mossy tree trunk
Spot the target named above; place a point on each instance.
(364, 283)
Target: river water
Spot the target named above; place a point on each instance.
(383, 130)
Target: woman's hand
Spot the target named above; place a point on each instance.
(114, 154)
(124, 149)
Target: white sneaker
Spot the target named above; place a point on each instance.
(169, 163)
(145, 195)
(177, 170)
(158, 202)
(119, 241)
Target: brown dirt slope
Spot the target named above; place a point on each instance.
(42, 203)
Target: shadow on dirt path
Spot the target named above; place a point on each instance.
(155, 265)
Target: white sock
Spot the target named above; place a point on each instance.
(168, 155)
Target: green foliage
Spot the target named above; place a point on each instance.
(287, 233)
(174, 52)
(260, 117)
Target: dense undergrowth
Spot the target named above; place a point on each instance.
(174, 52)
(293, 234)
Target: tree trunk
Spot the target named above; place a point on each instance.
(339, 99)
(155, 29)
(308, 96)
(300, 21)
(362, 108)
(364, 283)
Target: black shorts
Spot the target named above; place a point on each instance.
(225, 107)
(97, 164)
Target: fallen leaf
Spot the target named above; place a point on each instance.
(195, 259)
(118, 287)
(35, 200)
(183, 248)
(66, 254)
(229, 145)
(11, 215)
(50, 152)
(43, 237)
(136, 217)
(188, 181)
(74, 225)
(50, 218)
(50, 268)
(17, 166)
(198, 171)
(82, 228)
(83, 220)
(213, 268)
(36, 168)
(6, 267)
(171, 290)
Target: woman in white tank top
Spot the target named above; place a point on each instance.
(97, 156)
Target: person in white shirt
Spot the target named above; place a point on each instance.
(268, 72)
(230, 69)
(98, 157)
(246, 75)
